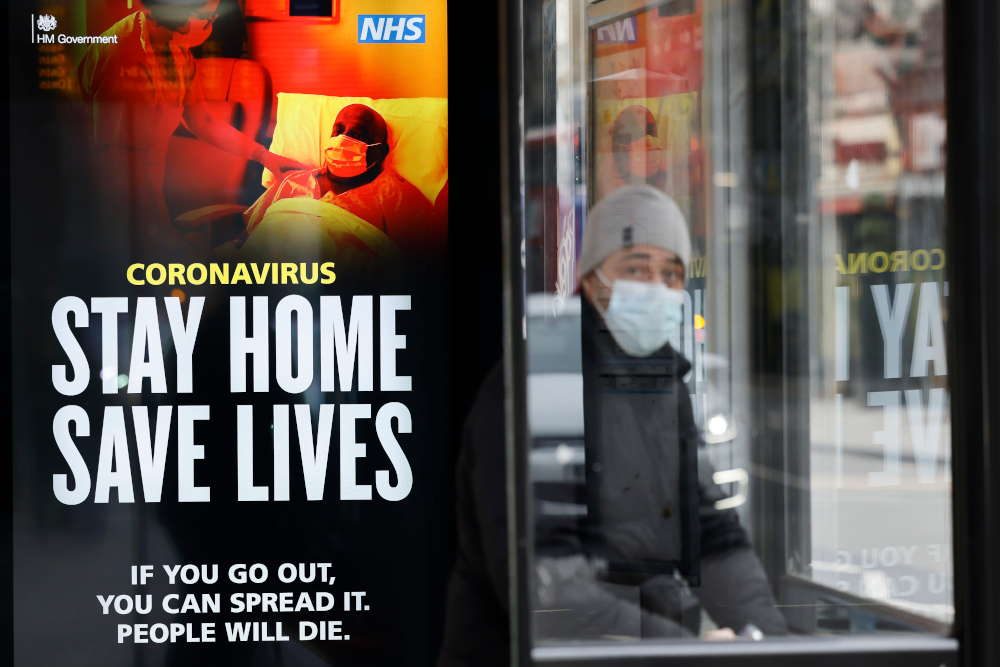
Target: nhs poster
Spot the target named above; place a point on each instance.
(229, 255)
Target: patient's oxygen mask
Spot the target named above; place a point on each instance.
(645, 156)
(347, 157)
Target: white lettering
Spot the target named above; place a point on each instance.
(146, 335)
(368, 28)
(152, 452)
(351, 451)
(114, 452)
(383, 427)
(892, 321)
(245, 490)
(299, 305)
(240, 345)
(928, 343)
(314, 460)
(888, 437)
(188, 453)
(336, 343)
(77, 466)
(926, 435)
(184, 337)
(389, 342)
(70, 345)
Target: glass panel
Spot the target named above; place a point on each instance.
(737, 385)
(880, 481)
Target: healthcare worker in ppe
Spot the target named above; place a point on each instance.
(652, 552)
(137, 90)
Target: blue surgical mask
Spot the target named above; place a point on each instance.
(642, 316)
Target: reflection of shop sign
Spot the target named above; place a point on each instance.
(620, 32)
(391, 29)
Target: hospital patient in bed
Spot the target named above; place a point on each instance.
(360, 189)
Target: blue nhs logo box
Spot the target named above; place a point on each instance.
(392, 29)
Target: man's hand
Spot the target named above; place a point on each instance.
(277, 164)
(720, 635)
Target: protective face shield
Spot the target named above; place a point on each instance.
(642, 316)
(347, 157)
(199, 33)
(645, 156)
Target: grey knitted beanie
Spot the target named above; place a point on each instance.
(634, 215)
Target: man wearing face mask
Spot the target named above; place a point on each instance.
(137, 90)
(651, 498)
(652, 551)
(355, 178)
(652, 530)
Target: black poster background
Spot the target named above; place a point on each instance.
(64, 556)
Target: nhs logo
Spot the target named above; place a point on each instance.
(620, 32)
(391, 29)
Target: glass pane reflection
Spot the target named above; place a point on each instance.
(737, 386)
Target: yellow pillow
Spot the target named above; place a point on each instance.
(418, 134)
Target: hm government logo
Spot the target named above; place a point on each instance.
(46, 23)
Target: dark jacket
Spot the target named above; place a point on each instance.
(734, 588)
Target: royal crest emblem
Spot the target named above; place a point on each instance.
(46, 22)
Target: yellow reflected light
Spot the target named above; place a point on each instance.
(699, 322)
